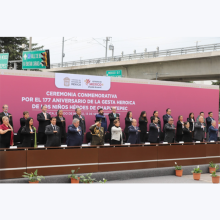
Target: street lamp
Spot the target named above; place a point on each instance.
(111, 47)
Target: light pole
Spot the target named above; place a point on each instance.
(62, 52)
(30, 44)
(111, 47)
(106, 47)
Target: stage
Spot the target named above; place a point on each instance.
(97, 159)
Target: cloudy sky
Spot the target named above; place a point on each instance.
(76, 48)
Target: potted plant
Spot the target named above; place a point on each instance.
(178, 170)
(196, 173)
(213, 167)
(87, 178)
(215, 178)
(33, 177)
(74, 178)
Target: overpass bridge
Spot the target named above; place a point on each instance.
(181, 64)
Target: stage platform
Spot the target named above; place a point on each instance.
(105, 160)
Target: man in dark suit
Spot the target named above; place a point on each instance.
(208, 124)
(74, 134)
(154, 132)
(53, 134)
(166, 118)
(213, 132)
(112, 116)
(6, 113)
(187, 133)
(82, 122)
(98, 134)
(102, 118)
(169, 131)
(134, 133)
(199, 132)
(44, 120)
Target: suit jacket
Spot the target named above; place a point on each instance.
(23, 122)
(179, 128)
(169, 133)
(2, 114)
(42, 122)
(27, 136)
(127, 124)
(209, 122)
(74, 137)
(191, 124)
(134, 137)
(53, 139)
(213, 133)
(153, 132)
(111, 119)
(159, 121)
(62, 126)
(103, 119)
(198, 133)
(165, 120)
(20, 135)
(98, 135)
(82, 122)
(204, 122)
(187, 135)
(143, 124)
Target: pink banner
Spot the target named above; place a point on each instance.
(23, 93)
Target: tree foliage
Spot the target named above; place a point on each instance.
(216, 83)
(13, 46)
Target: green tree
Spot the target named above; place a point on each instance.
(216, 83)
(13, 46)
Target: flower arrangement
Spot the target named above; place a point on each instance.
(196, 173)
(177, 167)
(196, 170)
(215, 177)
(33, 177)
(73, 175)
(213, 174)
(88, 179)
(213, 165)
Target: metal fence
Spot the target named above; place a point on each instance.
(144, 55)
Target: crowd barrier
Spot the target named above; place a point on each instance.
(61, 160)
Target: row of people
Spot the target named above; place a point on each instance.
(75, 133)
(44, 120)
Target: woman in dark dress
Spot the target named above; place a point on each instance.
(128, 121)
(155, 114)
(22, 123)
(179, 129)
(29, 133)
(143, 126)
(6, 134)
(191, 121)
(62, 124)
(187, 134)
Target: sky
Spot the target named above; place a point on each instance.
(76, 48)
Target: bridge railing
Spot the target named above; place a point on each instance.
(144, 55)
